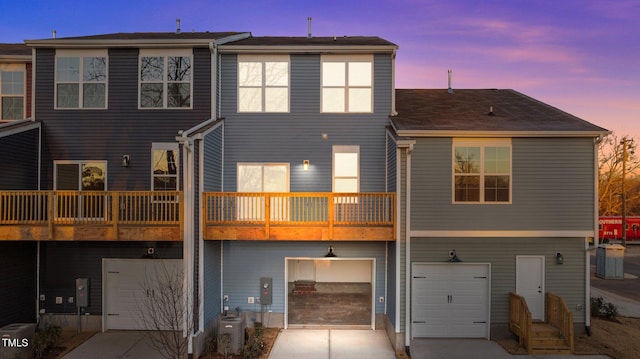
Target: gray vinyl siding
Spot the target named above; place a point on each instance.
(552, 186)
(62, 262)
(296, 136)
(22, 173)
(17, 282)
(245, 262)
(566, 280)
(391, 163)
(121, 129)
(212, 170)
(212, 296)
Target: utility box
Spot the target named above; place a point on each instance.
(230, 335)
(610, 261)
(266, 296)
(17, 340)
(82, 292)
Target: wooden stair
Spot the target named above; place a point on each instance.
(552, 337)
(547, 339)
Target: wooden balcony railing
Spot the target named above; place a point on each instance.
(299, 216)
(91, 215)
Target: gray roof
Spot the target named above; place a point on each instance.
(150, 36)
(14, 50)
(312, 41)
(438, 111)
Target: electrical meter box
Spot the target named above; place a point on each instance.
(82, 292)
(265, 291)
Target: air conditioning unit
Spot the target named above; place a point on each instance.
(19, 337)
(230, 335)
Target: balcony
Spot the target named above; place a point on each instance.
(299, 216)
(157, 216)
(88, 215)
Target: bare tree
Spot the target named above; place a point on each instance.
(610, 154)
(167, 309)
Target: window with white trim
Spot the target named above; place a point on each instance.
(347, 83)
(12, 92)
(262, 177)
(346, 169)
(165, 79)
(81, 79)
(263, 83)
(164, 167)
(80, 175)
(481, 170)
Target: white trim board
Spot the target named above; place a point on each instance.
(502, 233)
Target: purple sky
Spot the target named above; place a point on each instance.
(582, 56)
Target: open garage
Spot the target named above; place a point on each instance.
(330, 291)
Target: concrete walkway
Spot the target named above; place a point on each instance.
(116, 344)
(333, 344)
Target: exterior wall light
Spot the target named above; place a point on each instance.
(559, 258)
(305, 165)
(125, 160)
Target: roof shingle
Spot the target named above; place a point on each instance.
(468, 110)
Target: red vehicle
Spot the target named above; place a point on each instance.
(610, 228)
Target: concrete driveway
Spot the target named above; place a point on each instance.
(116, 344)
(332, 343)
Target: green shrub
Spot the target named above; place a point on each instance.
(45, 339)
(254, 346)
(602, 309)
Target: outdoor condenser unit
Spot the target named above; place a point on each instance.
(233, 327)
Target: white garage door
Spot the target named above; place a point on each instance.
(450, 300)
(128, 283)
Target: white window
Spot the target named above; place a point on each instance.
(346, 169)
(81, 79)
(481, 171)
(347, 83)
(12, 92)
(263, 83)
(262, 177)
(166, 79)
(164, 167)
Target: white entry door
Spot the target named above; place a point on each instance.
(530, 283)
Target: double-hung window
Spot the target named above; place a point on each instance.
(347, 83)
(12, 92)
(166, 79)
(81, 79)
(482, 170)
(263, 83)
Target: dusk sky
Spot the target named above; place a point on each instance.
(582, 56)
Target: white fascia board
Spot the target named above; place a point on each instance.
(137, 43)
(188, 132)
(15, 58)
(501, 234)
(12, 127)
(293, 49)
(496, 134)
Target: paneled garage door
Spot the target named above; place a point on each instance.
(450, 300)
(127, 285)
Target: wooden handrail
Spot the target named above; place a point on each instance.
(299, 208)
(90, 207)
(559, 316)
(520, 319)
